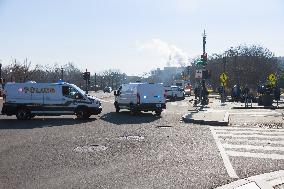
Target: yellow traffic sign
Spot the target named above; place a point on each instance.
(223, 77)
(272, 77)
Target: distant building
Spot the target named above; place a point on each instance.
(167, 75)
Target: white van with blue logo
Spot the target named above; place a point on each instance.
(138, 97)
(26, 100)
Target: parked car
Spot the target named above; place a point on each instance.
(174, 93)
(138, 97)
(107, 90)
(187, 90)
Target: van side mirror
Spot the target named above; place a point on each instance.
(115, 93)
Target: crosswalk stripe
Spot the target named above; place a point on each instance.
(250, 132)
(249, 141)
(230, 170)
(246, 129)
(250, 136)
(256, 113)
(255, 155)
(252, 147)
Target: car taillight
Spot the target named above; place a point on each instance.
(138, 98)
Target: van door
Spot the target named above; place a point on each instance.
(151, 93)
(123, 96)
(71, 97)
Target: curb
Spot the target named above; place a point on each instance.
(208, 122)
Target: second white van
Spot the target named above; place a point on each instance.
(138, 97)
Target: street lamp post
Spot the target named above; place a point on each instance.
(61, 73)
(11, 75)
(111, 81)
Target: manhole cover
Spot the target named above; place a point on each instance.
(90, 148)
(137, 138)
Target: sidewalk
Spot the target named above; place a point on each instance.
(217, 114)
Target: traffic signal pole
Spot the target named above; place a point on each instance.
(204, 92)
(86, 77)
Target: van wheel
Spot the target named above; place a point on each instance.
(158, 112)
(23, 114)
(132, 110)
(82, 114)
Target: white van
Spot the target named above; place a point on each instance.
(138, 97)
(26, 100)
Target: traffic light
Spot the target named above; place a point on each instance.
(86, 75)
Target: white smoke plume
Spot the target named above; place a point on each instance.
(174, 55)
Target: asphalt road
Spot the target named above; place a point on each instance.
(117, 150)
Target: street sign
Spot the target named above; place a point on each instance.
(198, 74)
(223, 77)
(272, 77)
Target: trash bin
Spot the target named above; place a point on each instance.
(266, 100)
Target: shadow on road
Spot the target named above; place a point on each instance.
(40, 123)
(125, 118)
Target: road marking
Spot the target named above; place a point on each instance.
(260, 142)
(245, 129)
(256, 113)
(250, 136)
(227, 163)
(251, 132)
(248, 141)
(252, 147)
(255, 155)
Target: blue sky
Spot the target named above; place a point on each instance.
(134, 36)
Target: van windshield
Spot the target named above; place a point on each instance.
(78, 89)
